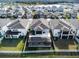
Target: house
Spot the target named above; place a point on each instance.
(39, 35)
(3, 23)
(17, 28)
(2, 13)
(18, 11)
(61, 30)
(75, 23)
(60, 9)
(54, 8)
(9, 12)
(42, 1)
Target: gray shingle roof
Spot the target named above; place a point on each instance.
(65, 25)
(40, 22)
(19, 24)
(16, 26)
(56, 24)
(59, 26)
(3, 22)
(75, 23)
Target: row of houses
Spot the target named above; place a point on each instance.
(44, 1)
(40, 30)
(39, 11)
(43, 31)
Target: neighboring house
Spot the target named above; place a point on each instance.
(54, 8)
(3, 24)
(60, 9)
(2, 13)
(42, 1)
(18, 11)
(39, 35)
(77, 36)
(61, 30)
(75, 23)
(73, 14)
(17, 28)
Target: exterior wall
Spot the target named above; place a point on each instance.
(12, 36)
(4, 28)
(23, 31)
(2, 32)
(45, 34)
(77, 33)
(78, 15)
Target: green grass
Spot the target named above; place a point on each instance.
(37, 56)
(49, 55)
(12, 45)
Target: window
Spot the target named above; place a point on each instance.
(65, 32)
(33, 32)
(14, 36)
(8, 36)
(38, 32)
(0, 33)
(78, 37)
(43, 32)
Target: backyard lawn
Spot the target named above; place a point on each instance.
(68, 44)
(50, 55)
(11, 45)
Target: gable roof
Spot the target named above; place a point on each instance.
(18, 24)
(75, 23)
(59, 26)
(40, 22)
(56, 24)
(3, 22)
(38, 28)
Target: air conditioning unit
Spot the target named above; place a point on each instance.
(56, 32)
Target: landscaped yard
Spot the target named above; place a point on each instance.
(11, 45)
(65, 44)
(51, 55)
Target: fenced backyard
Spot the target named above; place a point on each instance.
(12, 44)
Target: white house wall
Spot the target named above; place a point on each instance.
(23, 31)
(46, 34)
(4, 28)
(77, 33)
(46, 31)
(41, 35)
